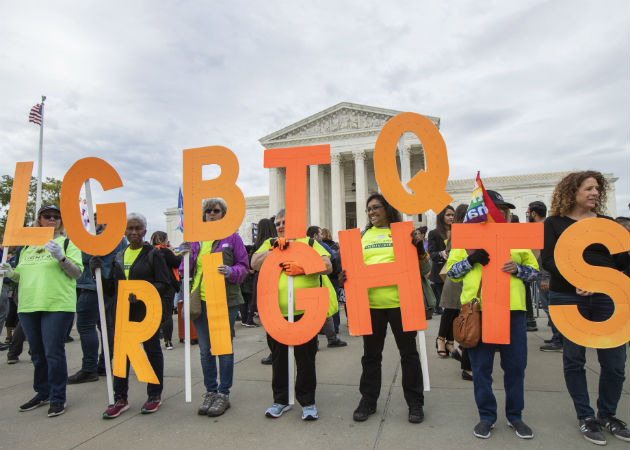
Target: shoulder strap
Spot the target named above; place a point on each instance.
(311, 241)
(65, 244)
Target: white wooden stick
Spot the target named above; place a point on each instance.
(101, 301)
(290, 352)
(187, 375)
(422, 344)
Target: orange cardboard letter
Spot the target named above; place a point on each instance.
(112, 214)
(314, 301)
(296, 159)
(568, 257)
(429, 185)
(403, 272)
(216, 304)
(497, 239)
(224, 186)
(15, 232)
(129, 335)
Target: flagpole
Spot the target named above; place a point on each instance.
(38, 198)
(187, 369)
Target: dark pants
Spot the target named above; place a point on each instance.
(437, 290)
(446, 323)
(17, 342)
(597, 308)
(46, 334)
(531, 320)
(87, 320)
(248, 308)
(513, 363)
(109, 320)
(306, 380)
(167, 315)
(556, 336)
(153, 349)
(370, 384)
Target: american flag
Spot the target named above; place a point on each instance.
(35, 115)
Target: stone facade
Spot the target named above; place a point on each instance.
(336, 192)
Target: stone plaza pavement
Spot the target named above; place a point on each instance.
(449, 406)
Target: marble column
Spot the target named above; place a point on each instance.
(274, 181)
(314, 197)
(360, 181)
(338, 203)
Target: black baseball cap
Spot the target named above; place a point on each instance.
(498, 200)
(48, 208)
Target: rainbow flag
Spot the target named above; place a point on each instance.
(180, 211)
(481, 208)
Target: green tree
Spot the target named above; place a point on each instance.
(51, 187)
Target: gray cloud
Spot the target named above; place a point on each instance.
(133, 83)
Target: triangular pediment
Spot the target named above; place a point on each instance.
(341, 119)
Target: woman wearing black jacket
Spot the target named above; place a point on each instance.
(437, 240)
(159, 240)
(139, 261)
(578, 196)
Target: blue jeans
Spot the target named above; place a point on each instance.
(556, 336)
(46, 335)
(87, 318)
(597, 307)
(513, 363)
(208, 360)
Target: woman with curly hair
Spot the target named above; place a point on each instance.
(578, 196)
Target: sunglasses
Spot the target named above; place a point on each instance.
(51, 216)
(215, 210)
(373, 208)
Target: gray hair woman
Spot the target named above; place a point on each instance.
(235, 268)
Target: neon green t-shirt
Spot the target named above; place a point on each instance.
(303, 281)
(378, 248)
(44, 286)
(128, 258)
(472, 279)
(205, 248)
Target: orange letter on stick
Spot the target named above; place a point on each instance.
(429, 184)
(403, 272)
(296, 159)
(569, 260)
(314, 301)
(216, 304)
(129, 335)
(112, 214)
(224, 186)
(497, 239)
(15, 232)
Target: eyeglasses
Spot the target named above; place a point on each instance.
(279, 223)
(51, 216)
(373, 208)
(215, 210)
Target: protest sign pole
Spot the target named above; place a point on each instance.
(422, 345)
(101, 301)
(187, 375)
(290, 350)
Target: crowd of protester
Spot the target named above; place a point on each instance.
(44, 286)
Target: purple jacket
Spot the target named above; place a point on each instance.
(240, 268)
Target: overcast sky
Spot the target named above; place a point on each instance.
(520, 87)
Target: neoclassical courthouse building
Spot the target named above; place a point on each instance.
(336, 192)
